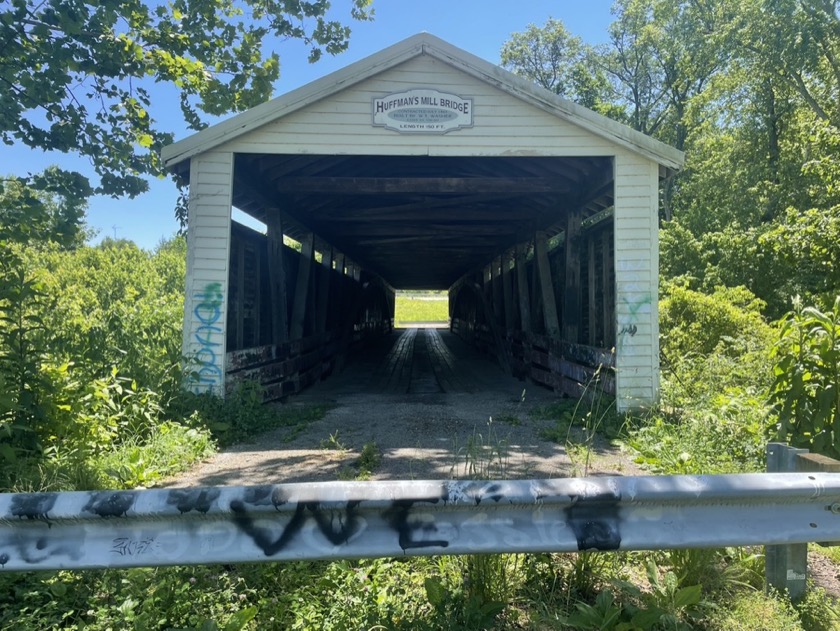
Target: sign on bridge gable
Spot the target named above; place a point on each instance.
(422, 111)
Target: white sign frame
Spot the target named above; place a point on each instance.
(422, 111)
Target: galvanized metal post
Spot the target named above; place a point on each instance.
(786, 567)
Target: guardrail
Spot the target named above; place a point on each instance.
(109, 529)
(786, 567)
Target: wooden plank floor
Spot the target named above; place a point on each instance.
(421, 361)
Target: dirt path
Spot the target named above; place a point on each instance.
(426, 401)
(432, 406)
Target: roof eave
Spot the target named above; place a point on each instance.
(414, 46)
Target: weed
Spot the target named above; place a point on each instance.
(509, 419)
(333, 443)
(485, 455)
(754, 611)
(347, 473)
(369, 459)
(367, 462)
(578, 423)
(817, 611)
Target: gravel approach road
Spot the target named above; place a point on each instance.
(434, 409)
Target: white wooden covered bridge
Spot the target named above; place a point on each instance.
(424, 166)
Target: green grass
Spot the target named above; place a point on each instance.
(432, 307)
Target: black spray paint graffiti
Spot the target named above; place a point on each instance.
(595, 520)
(187, 500)
(125, 546)
(110, 503)
(208, 311)
(629, 329)
(33, 505)
(412, 529)
(337, 524)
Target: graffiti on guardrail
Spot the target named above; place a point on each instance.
(370, 519)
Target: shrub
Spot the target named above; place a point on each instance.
(806, 390)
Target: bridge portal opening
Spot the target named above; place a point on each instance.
(518, 253)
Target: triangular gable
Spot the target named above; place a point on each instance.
(399, 55)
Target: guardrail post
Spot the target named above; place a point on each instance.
(786, 567)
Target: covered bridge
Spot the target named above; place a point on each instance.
(424, 166)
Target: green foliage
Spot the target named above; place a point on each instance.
(242, 414)
(485, 455)
(726, 322)
(818, 611)
(369, 459)
(754, 611)
(806, 391)
(333, 442)
(716, 373)
(170, 448)
(809, 243)
(50, 208)
(116, 304)
(556, 60)
(22, 349)
(76, 74)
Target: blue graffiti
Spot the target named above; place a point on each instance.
(208, 311)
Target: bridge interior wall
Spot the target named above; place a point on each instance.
(340, 309)
(501, 310)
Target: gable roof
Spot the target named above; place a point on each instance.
(415, 46)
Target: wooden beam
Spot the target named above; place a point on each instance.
(507, 292)
(301, 287)
(258, 338)
(324, 290)
(522, 287)
(240, 294)
(337, 313)
(432, 185)
(552, 324)
(572, 299)
(608, 284)
(277, 279)
(498, 297)
(592, 313)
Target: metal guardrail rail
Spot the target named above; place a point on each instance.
(109, 529)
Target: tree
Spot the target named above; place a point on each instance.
(74, 74)
(555, 59)
(798, 41)
(546, 55)
(50, 207)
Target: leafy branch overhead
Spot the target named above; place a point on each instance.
(75, 74)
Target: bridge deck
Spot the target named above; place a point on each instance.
(417, 361)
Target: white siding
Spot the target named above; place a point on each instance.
(502, 124)
(208, 253)
(637, 280)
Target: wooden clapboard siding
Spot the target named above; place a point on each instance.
(503, 124)
(208, 252)
(636, 276)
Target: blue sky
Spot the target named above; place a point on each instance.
(478, 26)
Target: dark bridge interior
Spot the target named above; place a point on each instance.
(422, 222)
(523, 244)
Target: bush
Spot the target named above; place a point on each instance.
(727, 321)
(806, 390)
